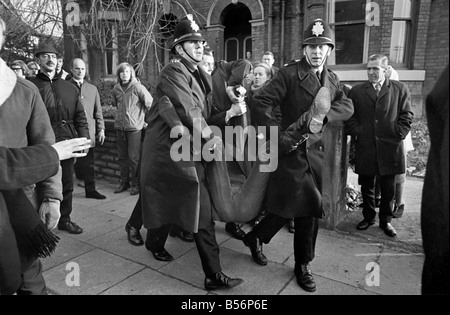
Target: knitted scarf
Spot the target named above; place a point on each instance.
(25, 234)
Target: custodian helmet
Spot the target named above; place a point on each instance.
(318, 33)
(187, 29)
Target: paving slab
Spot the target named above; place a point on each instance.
(116, 242)
(98, 270)
(150, 282)
(68, 248)
(325, 286)
(345, 262)
(94, 223)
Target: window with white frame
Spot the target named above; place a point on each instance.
(111, 53)
(347, 19)
(401, 31)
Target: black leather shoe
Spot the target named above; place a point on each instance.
(398, 211)
(234, 230)
(134, 236)
(121, 188)
(305, 278)
(183, 235)
(255, 246)
(70, 227)
(95, 195)
(221, 281)
(364, 225)
(388, 229)
(161, 255)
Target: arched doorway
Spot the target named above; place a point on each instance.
(238, 31)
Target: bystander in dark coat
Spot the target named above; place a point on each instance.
(435, 206)
(68, 121)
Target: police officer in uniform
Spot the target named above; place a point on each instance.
(309, 96)
(176, 193)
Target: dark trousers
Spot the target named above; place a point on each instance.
(129, 151)
(205, 240)
(387, 188)
(136, 219)
(84, 170)
(67, 186)
(306, 230)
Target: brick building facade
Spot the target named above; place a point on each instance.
(414, 34)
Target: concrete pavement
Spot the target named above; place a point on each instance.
(348, 262)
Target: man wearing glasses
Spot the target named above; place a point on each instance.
(68, 120)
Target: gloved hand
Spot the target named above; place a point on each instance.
(292, 137)
(49, 212)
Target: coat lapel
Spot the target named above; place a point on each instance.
(384, 89)
(370, 91)
(308, 81)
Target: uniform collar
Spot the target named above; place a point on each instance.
(306, 68)
(188, 65)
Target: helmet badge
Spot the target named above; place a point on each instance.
(194, 25)
(318, 29)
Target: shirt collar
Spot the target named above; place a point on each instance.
(381, 83)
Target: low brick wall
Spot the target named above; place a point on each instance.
(106, 158)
